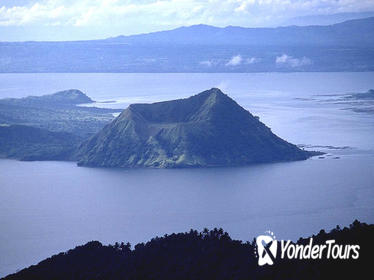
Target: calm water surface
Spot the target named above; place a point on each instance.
(48, 207)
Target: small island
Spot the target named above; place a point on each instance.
(206, 130)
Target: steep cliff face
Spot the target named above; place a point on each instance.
(208, 129)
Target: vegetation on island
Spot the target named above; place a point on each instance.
(58, 112)
(31, 143)
(48, 127)
(206, 130)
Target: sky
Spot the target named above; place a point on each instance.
(22, 20)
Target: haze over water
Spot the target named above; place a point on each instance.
(49, 207)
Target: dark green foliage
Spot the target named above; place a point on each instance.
(205, 255)
(30, 143)
(208, 129)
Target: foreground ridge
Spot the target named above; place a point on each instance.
(200, 255)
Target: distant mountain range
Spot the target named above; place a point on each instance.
(206, 130)
(340, 34)
(326, 19)
(347, 46)
(59, 99)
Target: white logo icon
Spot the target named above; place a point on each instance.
(266, 249)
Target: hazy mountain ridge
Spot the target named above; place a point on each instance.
(205, 130)
(346, 46)
(62, 98)
(327, 19)
(339, 34)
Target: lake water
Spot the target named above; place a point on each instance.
(49, 207)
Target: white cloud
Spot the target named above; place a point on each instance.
(222, 85)
(290, 61)
(234, 61)
(137, 16)
(176, 12)
(252, 60)
(207, 63)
